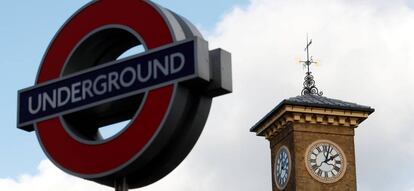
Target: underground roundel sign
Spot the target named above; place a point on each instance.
(166, 92)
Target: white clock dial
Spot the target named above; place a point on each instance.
(325, 161)
(282, 167)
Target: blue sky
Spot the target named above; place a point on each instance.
(26, 28)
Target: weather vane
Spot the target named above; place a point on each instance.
(309, 87)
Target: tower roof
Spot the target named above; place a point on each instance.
(310, 100)
(325, 102)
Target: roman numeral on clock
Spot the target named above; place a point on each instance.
(320, 172)
(312, 160)
(314, 167)
(338, 162)
(319, 149)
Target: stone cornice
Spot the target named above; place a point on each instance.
(310, 115)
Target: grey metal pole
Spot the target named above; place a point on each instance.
(121, 184)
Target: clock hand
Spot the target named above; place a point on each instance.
(327, 158)
(330, 164)
(284, 167)
(329, 151)
(332, 157)
(321, 164)
(326, 154)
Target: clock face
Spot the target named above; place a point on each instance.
(282, 167)
(325, 161)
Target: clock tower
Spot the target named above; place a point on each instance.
(312, 140)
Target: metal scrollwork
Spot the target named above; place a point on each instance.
(309, 87)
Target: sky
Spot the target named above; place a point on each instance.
(366, 54)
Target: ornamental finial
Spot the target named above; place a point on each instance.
(309, 87)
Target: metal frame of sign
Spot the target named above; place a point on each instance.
(166, 120)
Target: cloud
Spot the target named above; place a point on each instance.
(49, 178)
(366, 51)
(367, 56)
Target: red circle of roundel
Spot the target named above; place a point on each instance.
(90, 159)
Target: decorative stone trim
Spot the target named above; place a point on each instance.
(310, 115)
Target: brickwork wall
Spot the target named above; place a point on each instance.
(297, 137)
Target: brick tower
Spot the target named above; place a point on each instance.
(312, 140)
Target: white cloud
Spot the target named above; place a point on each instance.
(367, 56)
(49, 178)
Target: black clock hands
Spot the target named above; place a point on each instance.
(326, 151)
(333, 157)
(330, 158)
(326, 155)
